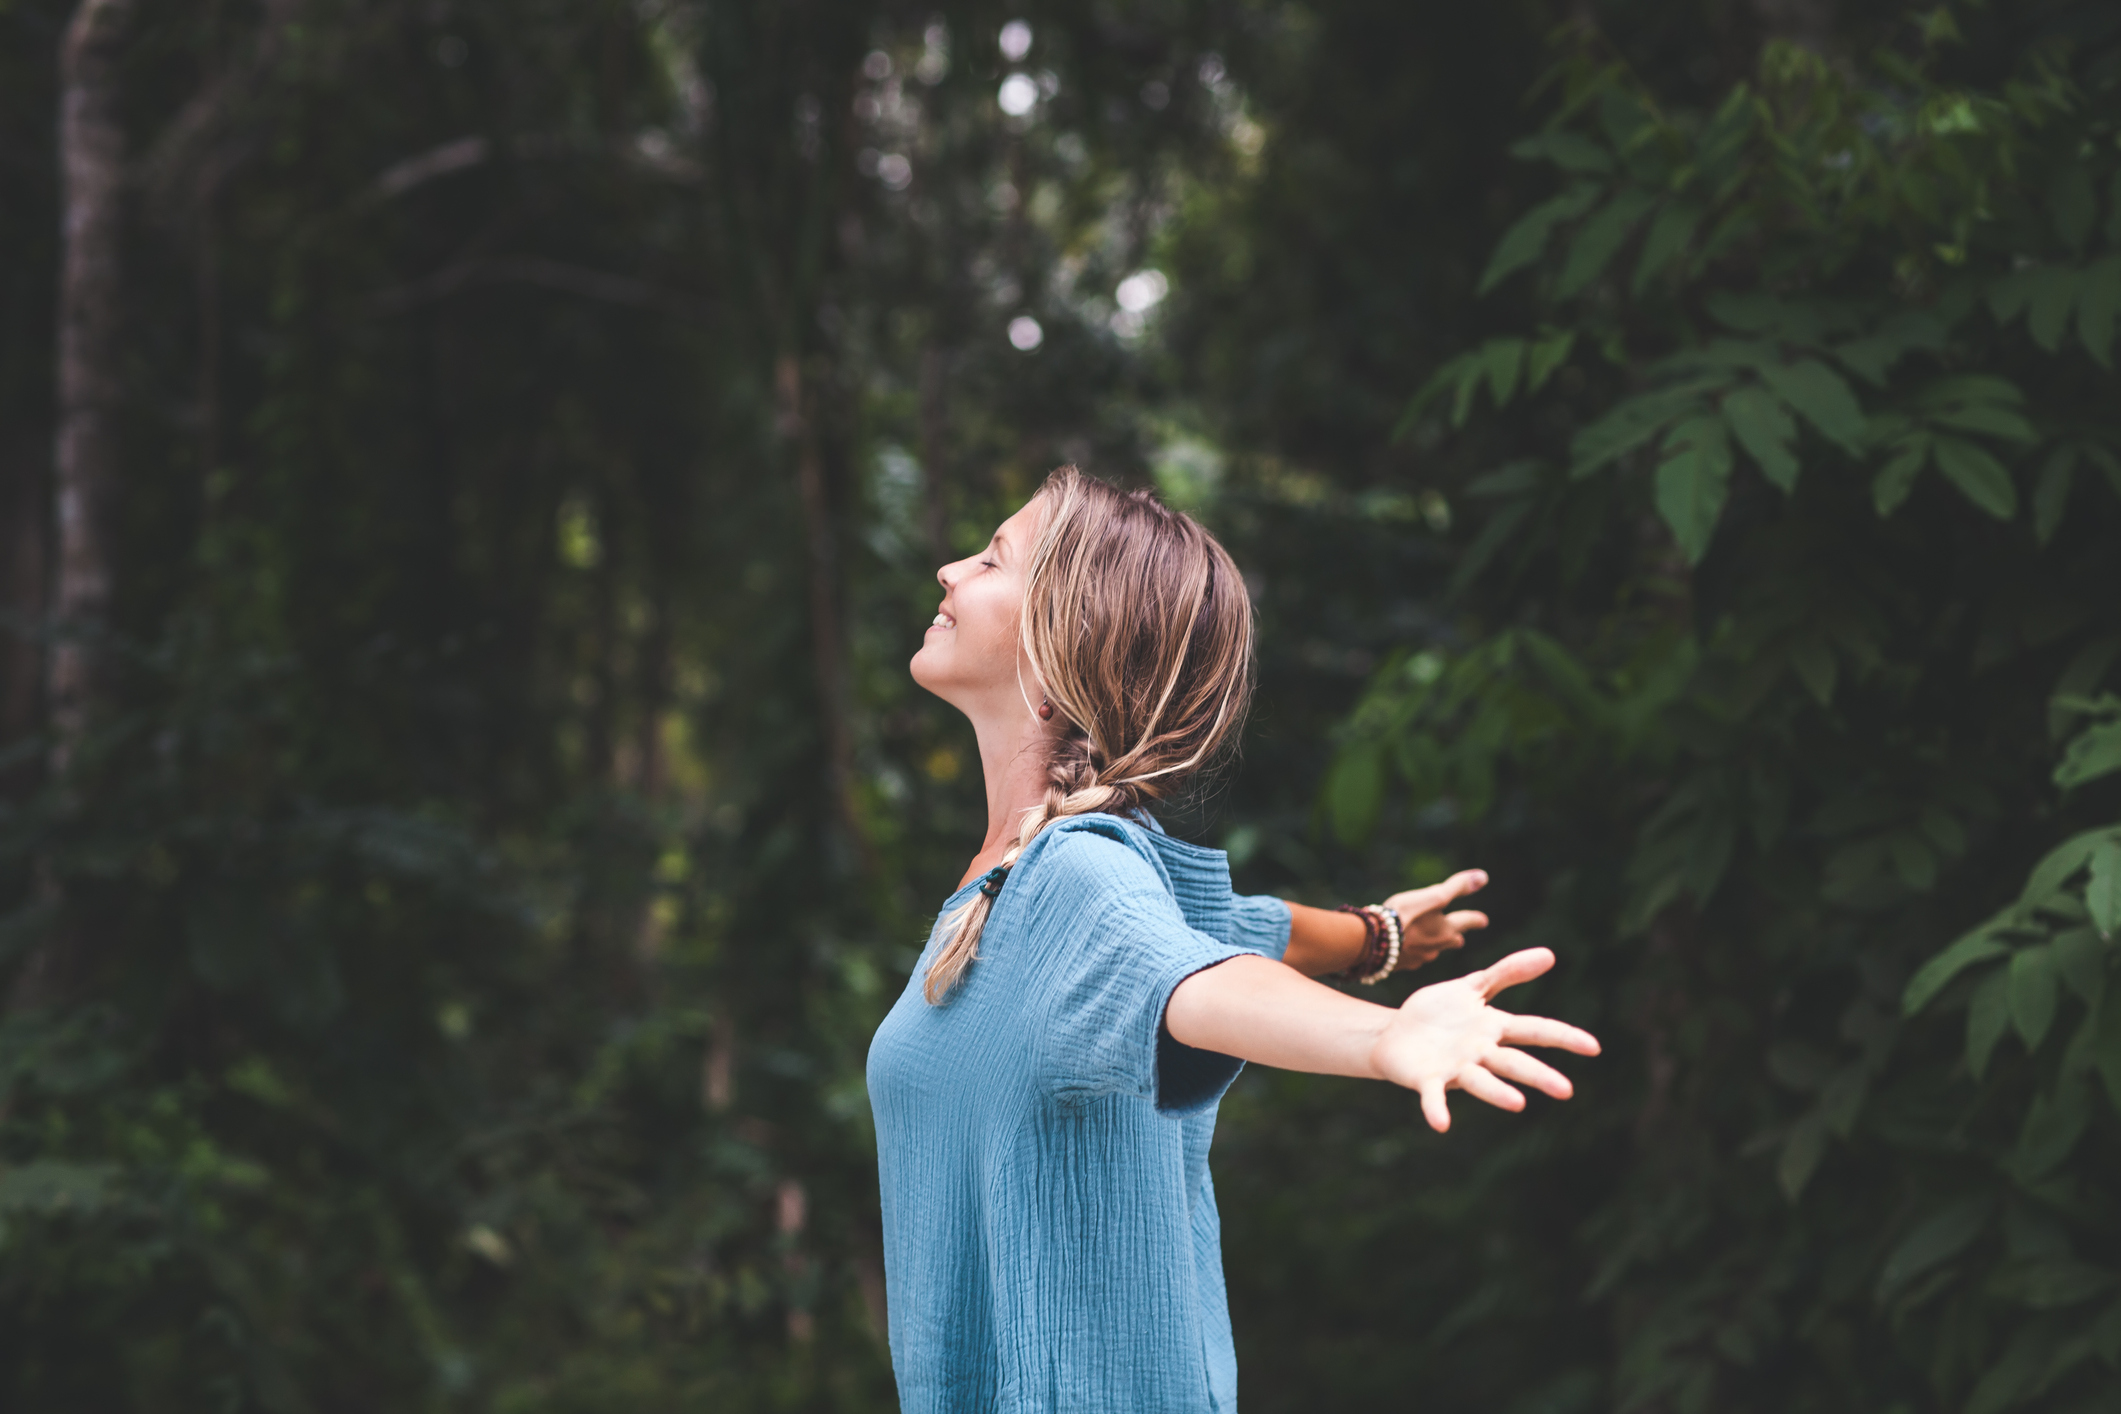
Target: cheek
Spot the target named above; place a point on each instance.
(985, 641)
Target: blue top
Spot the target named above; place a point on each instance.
(1050, 1235)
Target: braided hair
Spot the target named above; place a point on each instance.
(1139, 629)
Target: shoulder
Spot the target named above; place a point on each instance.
(1092, 857)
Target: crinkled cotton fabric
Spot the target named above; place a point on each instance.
(1050, 1235)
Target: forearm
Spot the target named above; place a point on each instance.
(1323, 940)
(1264, 1011)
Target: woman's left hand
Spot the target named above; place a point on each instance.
(1449, 1037)
(1427, 929)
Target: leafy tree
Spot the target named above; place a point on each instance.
(1787, 620)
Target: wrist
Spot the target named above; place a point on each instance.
(1377, 1035)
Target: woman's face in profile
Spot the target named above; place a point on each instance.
(968, 657)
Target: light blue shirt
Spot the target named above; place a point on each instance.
(1050, 1236)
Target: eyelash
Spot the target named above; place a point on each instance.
(990, 564)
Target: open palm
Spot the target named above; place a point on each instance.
(1448, 1037)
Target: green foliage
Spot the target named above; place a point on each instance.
(482, 937)
(510, 816)
(1767, 677)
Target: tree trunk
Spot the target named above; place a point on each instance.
(85, 454)
(85, 461)
(798, 424)
(23, 518)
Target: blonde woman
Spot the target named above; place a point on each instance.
(1045, 1089)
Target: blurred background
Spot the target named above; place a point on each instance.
(472, 473)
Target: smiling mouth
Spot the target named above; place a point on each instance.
(943, 620)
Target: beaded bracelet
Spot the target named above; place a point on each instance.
(1373, 940)
(1388, 920)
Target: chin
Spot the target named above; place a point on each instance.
(925, 670)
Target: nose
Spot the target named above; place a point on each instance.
(942, 575)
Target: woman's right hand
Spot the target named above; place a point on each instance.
(1447, 1037)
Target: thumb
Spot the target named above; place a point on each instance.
(1433, 1107)
(1517, 967)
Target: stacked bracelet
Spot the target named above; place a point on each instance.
(1388, 923)
(1373, 940)
(1380, 944)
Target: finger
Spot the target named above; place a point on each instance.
(1442, 929)
(1528, 1070)
(1415, 902)
(1433, 1107)
(1476, 1081)
(1465, 881)
(1517, 967)
(1432, 945)
(1545, 1031)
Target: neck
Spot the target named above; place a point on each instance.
(1012, 754)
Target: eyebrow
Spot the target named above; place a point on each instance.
(1001, 541)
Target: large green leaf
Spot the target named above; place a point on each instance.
(2006, 1381)
(1766, 430)
(1938, 1238)
(1872, 356)
(2053, 1125)
(1526, 240)
(1896, 479)
(1548, 353)
(1980, 477)
(1988, 418)
(1504, 360)
(1668, 235)
(2033, 994)
(2098, 299)
(1823, 398)
(2095, 752)
(2051, 493)
(2106, 1047)
(2080, 960)
(2102, 892)
(1634, 422)
(1988, 1016)
(1693, 480)
(1600, 240)
(2060, 863)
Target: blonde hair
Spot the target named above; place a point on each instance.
(1139, 629)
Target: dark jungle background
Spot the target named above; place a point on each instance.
(462, 810)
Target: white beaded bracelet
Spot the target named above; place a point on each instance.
(1389, 918)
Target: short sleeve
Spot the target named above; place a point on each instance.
(1260, 923)
(1119, 949)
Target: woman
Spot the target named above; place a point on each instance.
(1045, 1089)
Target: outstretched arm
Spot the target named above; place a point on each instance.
(1443, 1037)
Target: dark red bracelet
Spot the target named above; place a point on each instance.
(1373, 941)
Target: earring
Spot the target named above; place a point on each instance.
(1045, 709)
